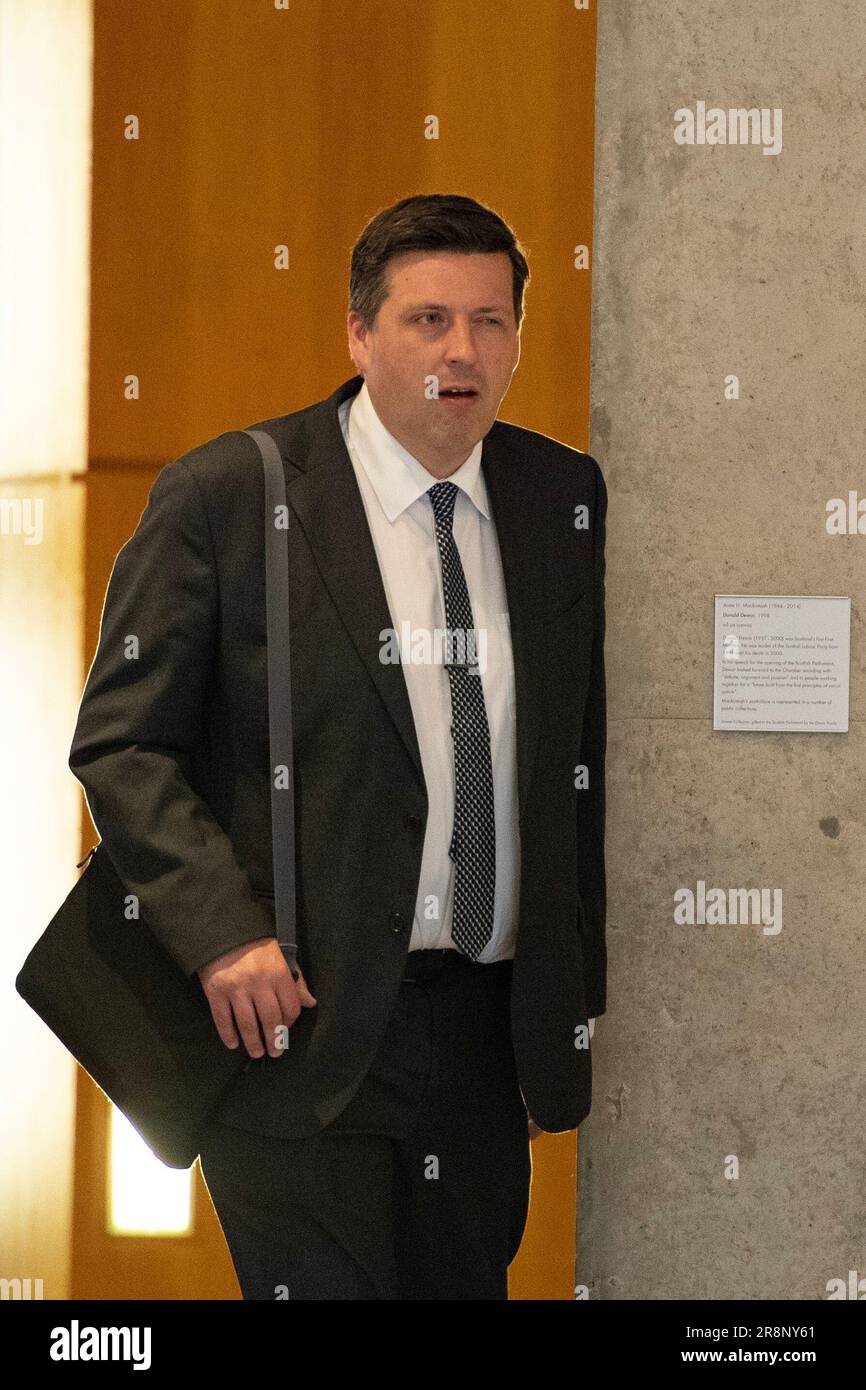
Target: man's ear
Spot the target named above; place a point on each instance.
(357, 335)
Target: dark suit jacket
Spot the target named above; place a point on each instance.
(171, 747)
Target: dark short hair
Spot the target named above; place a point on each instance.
(428, 222)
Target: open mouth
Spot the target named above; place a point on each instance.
(458, 393)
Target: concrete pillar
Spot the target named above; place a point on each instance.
(723, 1157)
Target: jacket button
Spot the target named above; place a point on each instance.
(398, 922)
(413, 822)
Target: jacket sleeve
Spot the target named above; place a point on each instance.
(591, 800)
(140, 717)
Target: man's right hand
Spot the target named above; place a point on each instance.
(252, 986)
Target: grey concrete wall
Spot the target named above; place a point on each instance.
(721, 1042)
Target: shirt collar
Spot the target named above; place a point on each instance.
(396, 476)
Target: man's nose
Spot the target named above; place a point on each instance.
(460, 343)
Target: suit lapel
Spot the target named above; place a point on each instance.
(323, 492)
(515, 516)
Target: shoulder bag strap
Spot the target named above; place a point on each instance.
(279, 693)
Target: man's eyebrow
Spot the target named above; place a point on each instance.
(482, 308)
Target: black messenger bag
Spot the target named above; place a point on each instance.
(137, 1023)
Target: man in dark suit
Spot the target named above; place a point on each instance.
(446, 580)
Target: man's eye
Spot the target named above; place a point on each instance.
(434, 314)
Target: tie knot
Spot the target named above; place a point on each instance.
(442, 497)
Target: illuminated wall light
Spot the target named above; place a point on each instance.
(45, 174)
(144, 1196)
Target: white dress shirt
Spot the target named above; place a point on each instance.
(393, 485)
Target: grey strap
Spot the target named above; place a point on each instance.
(279, 693)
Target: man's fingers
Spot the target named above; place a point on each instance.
(269, 1009)
(252, 992)
(247, 1024)
(223, 1019)
(307, 999)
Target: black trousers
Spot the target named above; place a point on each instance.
(420, 1188)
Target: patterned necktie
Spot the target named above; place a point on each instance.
(473, 842)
